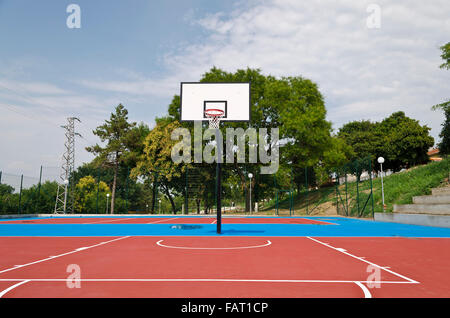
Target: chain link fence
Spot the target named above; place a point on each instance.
(353, 190)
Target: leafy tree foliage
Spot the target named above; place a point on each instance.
(445, 56)
(444, 144)
(120, 138)
(89, 195)
(402, 141)
(156, 164)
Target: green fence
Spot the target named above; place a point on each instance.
(354, 189)
(305, 191)
(21, 194)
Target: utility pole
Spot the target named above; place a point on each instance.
(64, 195)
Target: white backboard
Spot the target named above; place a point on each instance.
(232, 98)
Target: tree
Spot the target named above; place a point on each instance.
(361, 136)
(292, 104)
(156, 162)
(405, 141)
(86, 192)
(117, 133)
(402, 141)
(445, 56)
(444, 144)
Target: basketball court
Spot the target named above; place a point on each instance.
(254, 257)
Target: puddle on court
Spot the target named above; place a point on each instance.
(185, 227)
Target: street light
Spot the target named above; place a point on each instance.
(107, 199)
(159, 206)
(66, 183)
(250, 176)
(381, 161)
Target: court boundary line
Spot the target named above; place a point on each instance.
(365, 290)
(342, 250)
(7, 290)
(160, 221)
(107, 221)
(232, 280)
(79, 249)
(360, 284)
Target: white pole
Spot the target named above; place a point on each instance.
(382, 186)
(380, 161)
(250, 196)
(107, 199)
(250, 176)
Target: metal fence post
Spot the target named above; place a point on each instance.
(126, 190)
(346, 191)
(277, 202)
(357, 189)
(98, 189)
(39, 192)
(307, 188)
(20, 193)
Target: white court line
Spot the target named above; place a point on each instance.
(60, 255)
(200, 280)
(214, 222)
(162, 220)
(213, 248)
(341, 250)
(120, 219)
(3, 292)
(366, 291)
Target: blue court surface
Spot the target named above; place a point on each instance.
(337, 227)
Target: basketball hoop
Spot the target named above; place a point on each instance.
(214, 116)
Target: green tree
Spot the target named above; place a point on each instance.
(117, 133)
(292, 104)
(401, 140)
(445, 56)
(405, 142)
(86, 192)
(362, 136)
(444, 144)
(156, 164)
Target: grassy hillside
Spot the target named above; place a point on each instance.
(399, 188)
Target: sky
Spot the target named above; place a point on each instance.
(367, 62)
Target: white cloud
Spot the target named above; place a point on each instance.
(363, 73)
(381, 70)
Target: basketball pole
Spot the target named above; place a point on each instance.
(219, 198)
(219, 183)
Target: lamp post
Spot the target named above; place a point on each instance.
(381, 161)
(107, 199)
(250, 176)
(159, 206)
(66, 183)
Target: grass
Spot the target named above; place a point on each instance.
(399, 188)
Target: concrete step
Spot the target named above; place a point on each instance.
(437, 209)
(441, 191)
(432, 199)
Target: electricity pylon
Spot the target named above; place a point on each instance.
(64, 194)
